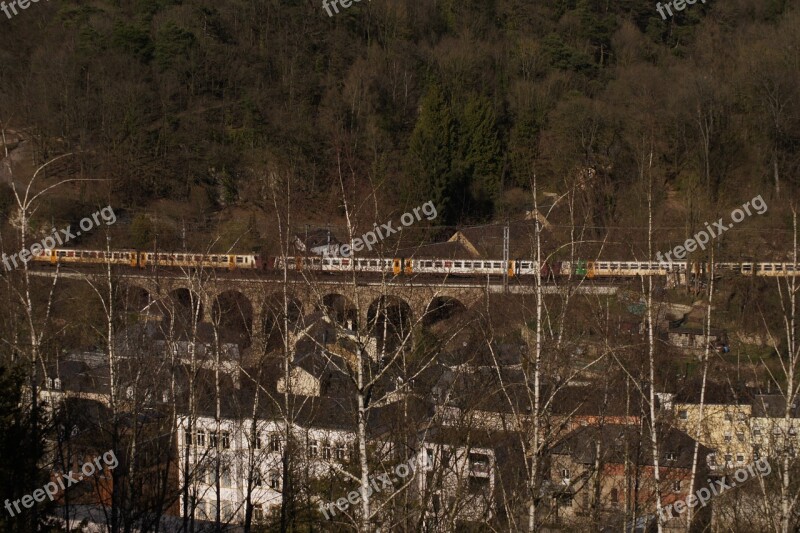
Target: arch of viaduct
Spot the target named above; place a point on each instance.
(310, 297)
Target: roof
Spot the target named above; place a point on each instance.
(315, 239)
(616, 442)
(487, 241)
(773, 406)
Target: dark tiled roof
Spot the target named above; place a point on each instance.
(773, 406)
(616, 442)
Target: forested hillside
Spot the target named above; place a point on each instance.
(200, 103)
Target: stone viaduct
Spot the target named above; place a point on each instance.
(360, 302)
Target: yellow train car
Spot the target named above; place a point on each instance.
(403, 266)
(91, 257)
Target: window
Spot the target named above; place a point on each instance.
(226, 440)
(756, 431)
(212, 439)
(728, 417)
(683, 414)
(740, 458)
(313, 448)
(326, 451)
(740, 436)
(227, 510)
(274, 442)
(479, 463)
(257, 481)
(258, 512)
(565, 500)
(187, 437)
(565, 473)
(728, 458)
(671, 456)
(428, 457)
(614, 496)
(728, 437)
(756, 454)
(57, 384)
(676, 486)
(341, 451)
(201, 438)
(274, 480)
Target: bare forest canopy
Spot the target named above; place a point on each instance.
(190, 108)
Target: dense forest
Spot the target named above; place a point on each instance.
(187, 108)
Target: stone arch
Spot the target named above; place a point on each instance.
(137, 299)
(233, 312)
(340, 309)
(182, 305)
(273, 315)
(389, 319)
(441, 308)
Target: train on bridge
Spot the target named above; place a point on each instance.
(401, 266)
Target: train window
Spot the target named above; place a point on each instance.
(497, 264)
(62, 254)
(345, 262)
(778, 268)
(438, 264)
(373, 263)
(213, 257)
(767, 268)
(789, 268)
(240, 259)
(457, 264)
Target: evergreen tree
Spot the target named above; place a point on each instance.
(432, 145)
(21, 448)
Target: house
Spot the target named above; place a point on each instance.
(603, 472)
(724, 425)
(771, 433)
(316, 242)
